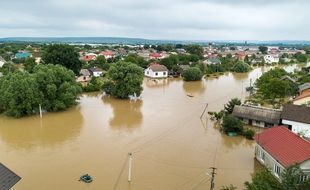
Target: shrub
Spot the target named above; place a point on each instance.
(192, 74)
(248, 133)
(232, 124)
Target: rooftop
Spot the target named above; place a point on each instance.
(158, 67)
(284, 146)
(296, 113)
(7, 178)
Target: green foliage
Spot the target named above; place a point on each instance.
(58, 86)
(195, 49)
(302, 58)
(270, 85)
(248, 133)
(8, 68)
(263, 49)
(263, 180)
(229, 107)
(64, 55)
(29, 64)
(240, 67)
(216, 115)
(192, 74)
(19, 94)
(95, 84)
(136, 59)
(124, 79)
(231, 187)
(100, 62)
(232, 124)
(170, 61)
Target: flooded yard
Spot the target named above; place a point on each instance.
(172, 147)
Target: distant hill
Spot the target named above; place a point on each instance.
(135, 41)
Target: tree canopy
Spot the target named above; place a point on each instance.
(136, 59)
(192, 74)
(232, 124)
(64, 55)
(124, 79)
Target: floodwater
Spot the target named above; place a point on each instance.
(172, 147)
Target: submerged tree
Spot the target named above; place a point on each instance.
(229, 107)
(192, 74)
(124, 79)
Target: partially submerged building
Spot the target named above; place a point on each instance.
(7, 178)
(257, 116)
(278, 148)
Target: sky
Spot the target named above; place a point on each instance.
(157, 19)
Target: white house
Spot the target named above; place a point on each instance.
(271, 59)
(2, 61)
(297, 119)
(156, 71)
(278, 148)
(95, 71)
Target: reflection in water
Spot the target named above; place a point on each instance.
(34, 132)
(156, 83)
(194, 88)
(126, 114)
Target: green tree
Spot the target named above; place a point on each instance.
(302, 58)
(124, 79)
(29, 64)
(240, 67)
(195, 49)
(64, 55)
(232, 124)
(263, 49)
(263, 180)
(170, 61)
(192, 74)
(57, 85)
(95, 84)
(229, 107)
(136, 59)
(7, 68)
(19, 94)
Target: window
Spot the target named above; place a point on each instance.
(164, 73)
(147, 72)
(277, 170)
(304, 178)
(156, 74)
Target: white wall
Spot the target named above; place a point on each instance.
(97, 74)
(160, 74)
(298, 127)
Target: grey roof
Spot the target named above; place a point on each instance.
(304, 87)
(158, 67)
(286, 77)
(296, 113)
(7, 178)
(84, 72)
(257, 113)
(95, 69)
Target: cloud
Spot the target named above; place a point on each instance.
(161, 19)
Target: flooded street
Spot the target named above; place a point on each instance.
(172, 147)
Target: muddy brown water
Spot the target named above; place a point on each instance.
(172, 147)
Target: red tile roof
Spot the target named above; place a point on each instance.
(155, 55)
(284, 146)
(304, 94)
(88, 57)
(107, 53)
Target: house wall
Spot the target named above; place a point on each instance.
(302, 101)
(298, 127)
(97, 74)
(254, 122)
(160, 74)
(268, 160)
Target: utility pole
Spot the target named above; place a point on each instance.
(204, 110)
(129, 166)
(40, 110)
(212, 177)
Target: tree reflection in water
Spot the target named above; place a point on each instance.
(126, 113)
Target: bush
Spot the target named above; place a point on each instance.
(192, 74)
(94, 85)
(249, 133)
(232, 124)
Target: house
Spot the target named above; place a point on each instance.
(212, 61)
(2, 61)
(278, 148)
(85, 76)
(22, 55)
(37, 56)
(269, 59)
(156, 70)
(240, 55)
(89, 57)
(7, 178)
(303, 98)
(155, 56)
(303, 87)
(107, 54)
(297, 119)
(95, 71)
(257, 116)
